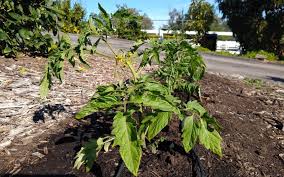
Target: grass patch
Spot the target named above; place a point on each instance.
(202, 49)
(269, 56)
(224, 53)
(256, 83)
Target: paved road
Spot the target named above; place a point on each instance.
(247, 68)
(220, 64)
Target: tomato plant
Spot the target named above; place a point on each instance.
(144, 105)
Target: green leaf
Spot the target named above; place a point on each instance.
(190, 133)
(158, 123)
(195, 106)
(157, 102)
(88, 154)
(82, 58)
(99, 23)
(156, 87)
(102, 102)
(3, 35)
(7, 50)
(25, 34)
(145, 59)
(105, 89)
(127, 139)
(92, 26)
(210, 139)
(66, 39)
(45, 83)
(106, 17)
(15, 16)
(188, 87)
(211, 122)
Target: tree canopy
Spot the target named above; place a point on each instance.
(128, 23)
(200, 17)
(257, 25)
(73, 16)
(176, 20)
(22, 24)
(219, 24)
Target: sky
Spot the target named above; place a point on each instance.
(155, 9)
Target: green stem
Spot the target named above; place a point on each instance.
(133, 72)
(109, 46)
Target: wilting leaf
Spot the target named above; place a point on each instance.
(210, 139)
(195, 106)
(88, 154)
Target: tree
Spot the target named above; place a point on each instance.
(73, 16)
(176, 20)
(127, 23)
(219, 25)
(200, 17)
(78, 14)
(147, 23)
(257, 25)
(22, 24)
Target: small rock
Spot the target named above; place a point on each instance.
(5, 144)
(268, 126)
(68, 101)
(282, 156)
(37, 154)
(280, 91)
(282, 143)
(260, 113)
(45, 150)
(260, 57)
(7, 152)
(238, 76)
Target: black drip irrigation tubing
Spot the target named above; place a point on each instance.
(197, 168)
(120, 169)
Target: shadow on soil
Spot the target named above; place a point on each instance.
(276, 79)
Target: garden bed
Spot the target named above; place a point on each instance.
(253, 139)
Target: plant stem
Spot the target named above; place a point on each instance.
(109, 46)
(134, 74)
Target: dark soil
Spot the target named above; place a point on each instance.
(253, 139)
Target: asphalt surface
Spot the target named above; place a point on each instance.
(218, 64)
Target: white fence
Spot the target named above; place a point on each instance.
(230, 46)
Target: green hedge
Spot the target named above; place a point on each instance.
(269, 56)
